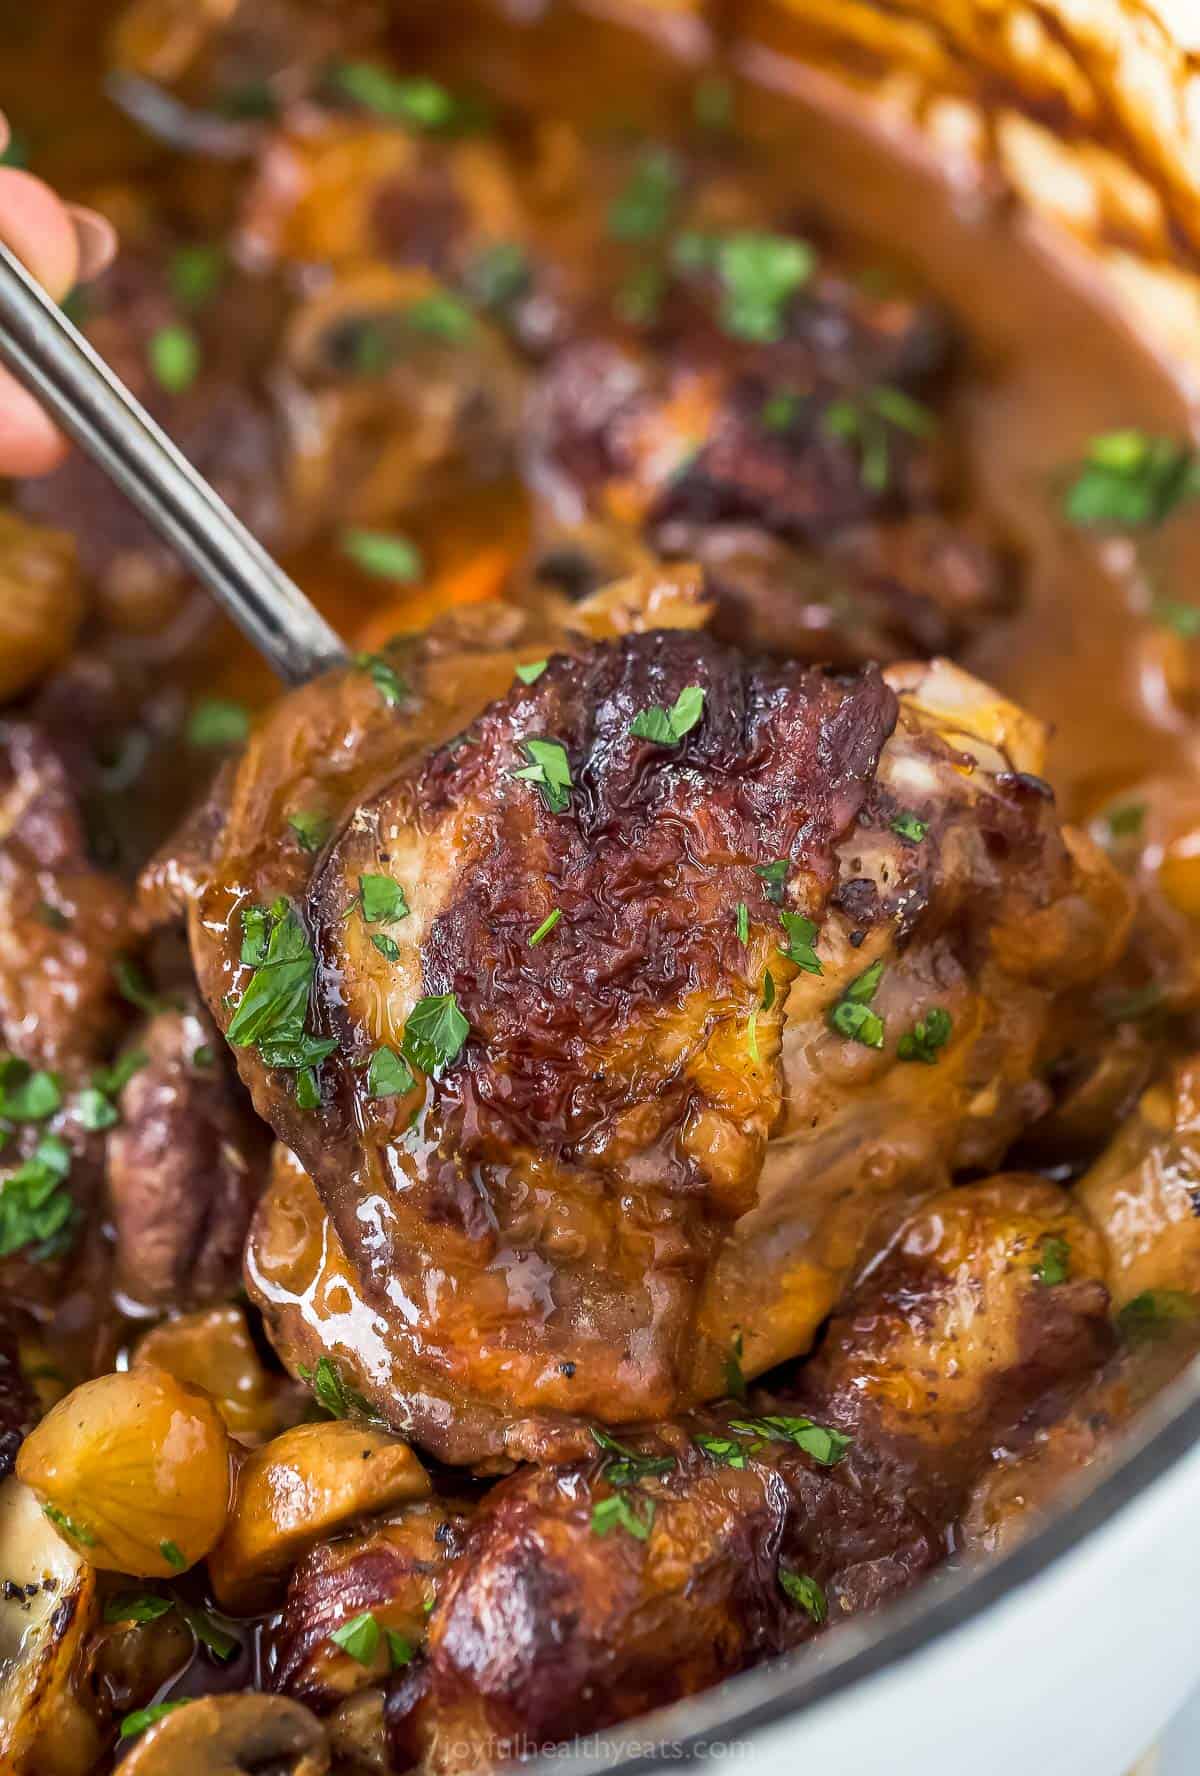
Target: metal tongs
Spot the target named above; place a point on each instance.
(92, 405)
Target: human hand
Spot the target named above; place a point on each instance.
(62, 245)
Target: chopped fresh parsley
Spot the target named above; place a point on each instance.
(383, 553)
(173, 1555)
(382, 900)
(415, 101)
(742, 922)
(822, 1442)
(96, 1111)
(435, 1032)
(312, 829)
(867, 422)
(35, 1210)
(1154, 1314)
(308, 1089)
(389, 1074)
(1130, 480)
(1183, 619)
(270, 1013)
(174, 356)
(760, 273)
(387, 946)
(384, 677)
(927, 1036)
(401, 1651)
(136, 1606)
(440, 316)
(667, 727)
(530, 674)
(803, 1590)
(113, 1080)
(141, 1718)
(631, 1512)
(910, 826)
(774, 877)
(625, 1467)
(801, 935)
(26, 1095)
(195, 273)
(767, 1001)
(779, 410)
(643, 208)
(133, 985)
(500, 275)
(331, 1392)
(360, 1637)
(852, 1016)
(1125, 822)
(218, 721)
(549, 770)
(220, 1643)
(1054, 1263)
(726, 1451)
(78, 1532)
(545, 928)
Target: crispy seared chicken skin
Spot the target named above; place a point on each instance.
(805, 964)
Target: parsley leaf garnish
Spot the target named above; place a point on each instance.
(141, 1718)
(174, 356)
(415, 101)
(34, 1208)
(384, 554)
(1154, 1313)
(95, 1110)
(359, 1637)
(330, 1391)
(387, 946)
(389, 1074)
(801, 935)
(1054, 1264)
(173, 1555)
(643, 208)
(549, 770)
(822, 1442)
(865, 421)
(195, 272)
(625, 1467)
(135, 1606)
(26, 1095)
(910, 826)
(401, 1651)
(927, 1036)
(384, 677)
(735, 1381)
(633, 1513)
(774, 876)
(726, 1451)
(220, 1643)
(435, 1032)
(545, 928)
(1130, 480)
(500, 275)
(218, 721)
(78, 1532)
(760, 273)
(742, 922)
(270, 1013)
(382, 900)
(530, 674)
(803, 1590)
(852, 1016)
(667, 727)
(310, 828)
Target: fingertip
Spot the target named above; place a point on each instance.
(30, 444)
(37, 227)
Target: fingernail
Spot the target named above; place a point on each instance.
(5, 133)
(97, 241)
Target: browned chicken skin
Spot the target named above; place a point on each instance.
(586, 1594)
(634, 1135)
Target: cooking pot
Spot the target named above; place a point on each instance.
(1039, 164)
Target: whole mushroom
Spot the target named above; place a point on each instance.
(232, 1735)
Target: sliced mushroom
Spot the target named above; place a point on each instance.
(243, 1734)
(302, 1486)
(48, 1607)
